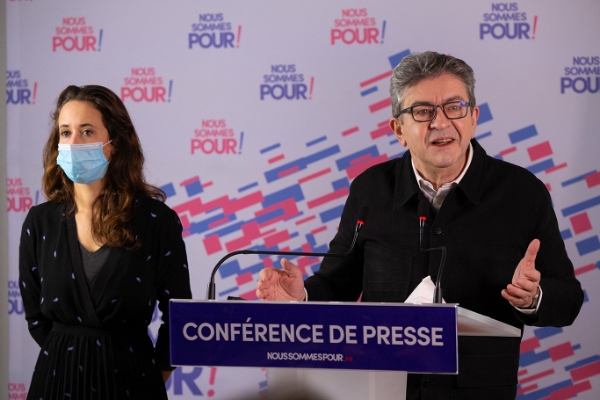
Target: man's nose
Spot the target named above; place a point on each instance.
(439, 119)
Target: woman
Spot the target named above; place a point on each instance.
(95, 258)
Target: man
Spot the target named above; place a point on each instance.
(505, 256)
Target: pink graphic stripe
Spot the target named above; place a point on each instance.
(539, 151)
(379, 105)
(376, 78)
(350, 131)
(593, 179)
(508, 151)
(581, 223)
(586, 371)
(275, 159)
(303, 220)
(315, 175)
(356, 170)
(536, 376)
(555, 168)
(327, 198)
(584, 269)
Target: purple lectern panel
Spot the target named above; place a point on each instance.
(360, 336)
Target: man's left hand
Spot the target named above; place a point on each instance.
(525, 280)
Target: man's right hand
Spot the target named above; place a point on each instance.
(276, 284)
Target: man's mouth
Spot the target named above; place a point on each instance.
(441, 142)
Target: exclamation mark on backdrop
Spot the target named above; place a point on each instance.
(382, 32)
(312, 84)
(34, 91)
(170, 89)
(241, 142)
(211, 381)
(534, 26)
(238, 36)
(100, 40)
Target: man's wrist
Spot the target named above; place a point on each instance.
(535, 299)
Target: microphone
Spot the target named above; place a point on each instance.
(437, 293)
(363, 212)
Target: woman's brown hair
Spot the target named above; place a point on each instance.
(114, 208)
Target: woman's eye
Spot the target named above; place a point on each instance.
(65, 133)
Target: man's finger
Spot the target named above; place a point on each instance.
(531, 253)
(288, 266)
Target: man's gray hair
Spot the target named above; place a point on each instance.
(418, 66)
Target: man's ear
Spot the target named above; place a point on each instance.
(396, 127)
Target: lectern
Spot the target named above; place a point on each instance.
(342, 350)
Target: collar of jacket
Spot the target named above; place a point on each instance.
(471, 183)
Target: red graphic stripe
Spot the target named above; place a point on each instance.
(593, 179)
(350, 131)
(327, 198)
(555, 168)
(315, 175)
(356, 170)
(301, 221)
(584, 269)
(380, 132)
(561, 351)
(536, 376)
(530, 344)
(380, 104)
(275, 159)
(508, 151)
(375, 79)
(539, 151)
(586, 371)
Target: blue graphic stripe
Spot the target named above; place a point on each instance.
(301, 163)
(588, 245)
(584, 205)
(546, 332)
(227, 291)
(193, 188)
(531, 357)
(169, 189)
(396, 58)
(545, 392)
(331, 214)
(318, 140)
(577, 178)
(583, 362)
(250, 186)
(566, 234)
(522, 134)
(483, 135)
(485, 114)
(294, 191)
(273, 147)
(340, 184)
(368, 91)
(344, 162)
(397, 155)
(541, 166)
(203, 226)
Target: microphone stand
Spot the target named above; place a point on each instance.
(211, 289)
(437, 292)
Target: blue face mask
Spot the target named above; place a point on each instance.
(83, 163)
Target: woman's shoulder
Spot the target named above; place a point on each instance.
(48, 208)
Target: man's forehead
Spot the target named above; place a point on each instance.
(447, 86)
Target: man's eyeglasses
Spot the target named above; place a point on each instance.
(427, 112)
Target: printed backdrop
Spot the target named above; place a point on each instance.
(256, 116)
